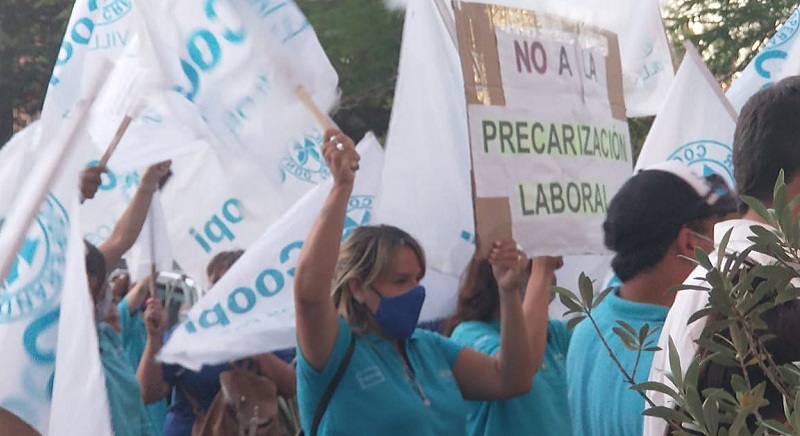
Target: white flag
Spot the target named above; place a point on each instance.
(426, 184)
(47, 332)
(773, 63)
(152, 247)
(251, 309)
(695, 125)
(236, 63)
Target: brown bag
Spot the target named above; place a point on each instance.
(246, 405)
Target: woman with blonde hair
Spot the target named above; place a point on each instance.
(363, 367)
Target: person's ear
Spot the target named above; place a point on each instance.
(356, 289)
(685, 242)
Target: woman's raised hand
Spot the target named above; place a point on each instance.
(341, 156)
(509, 265)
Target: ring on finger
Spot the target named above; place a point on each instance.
(335, 140)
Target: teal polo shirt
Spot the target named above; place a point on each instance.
(600, 400)
(134, 338)
(377, 395)
(128, 416)
(542, 411)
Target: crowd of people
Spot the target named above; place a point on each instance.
(498, 366)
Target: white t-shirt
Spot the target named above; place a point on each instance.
(687, 302)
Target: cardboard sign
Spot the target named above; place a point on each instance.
(549, 138)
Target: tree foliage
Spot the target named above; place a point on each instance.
(362, 39)
(30, 35)
(729, 33)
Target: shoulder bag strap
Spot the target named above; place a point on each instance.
(326, 397)
(196, 408)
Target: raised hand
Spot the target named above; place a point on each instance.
(90, 181)
(508, 264)
(341, 156)
(155, 318)
(153, 175)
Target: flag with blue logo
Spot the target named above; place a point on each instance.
(51, 364)
(696, 124)
(236, 62)
(250, 310)
(774, 62)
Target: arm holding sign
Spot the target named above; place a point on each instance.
(317, 318)
(510, 371)
(130, 223)
(537, 301)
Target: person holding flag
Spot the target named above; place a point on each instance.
(128, 415)
(359, 353)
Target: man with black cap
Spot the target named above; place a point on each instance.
(766, 141)
(653, 224)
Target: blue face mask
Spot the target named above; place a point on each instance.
(398, 316)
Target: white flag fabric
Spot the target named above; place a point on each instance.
(237, 62)
(773, 62)
(426, 184)
(647, 66)
(251, 308)
(47, 332)
(696, 124)
(152, 247)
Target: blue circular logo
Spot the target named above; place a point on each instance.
(34, 282)
(110, 10)
(359, 211)
(305, 162)
(787, 32)
(706, 157)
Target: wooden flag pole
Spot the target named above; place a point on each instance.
(323, 120)
(123, 126)
(29, 200)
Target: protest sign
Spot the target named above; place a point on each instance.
(250, 310)
(696, 124)
(772, 63)
(47, 329)
(646, 57)
(548, 133)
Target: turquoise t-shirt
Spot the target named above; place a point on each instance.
(128, 416)
(541, 412)
(377, 394)
(600, 400)
(134, 337)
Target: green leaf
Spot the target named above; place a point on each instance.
(644, 332)
(627, 340)
(655, 387)
(628, 328)
(667, 413)
(574, 321)
(757, 206)
(711, 415)
(602, 296)
(723, 247)
(675, 364)
(702, 258)
(587, 290)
